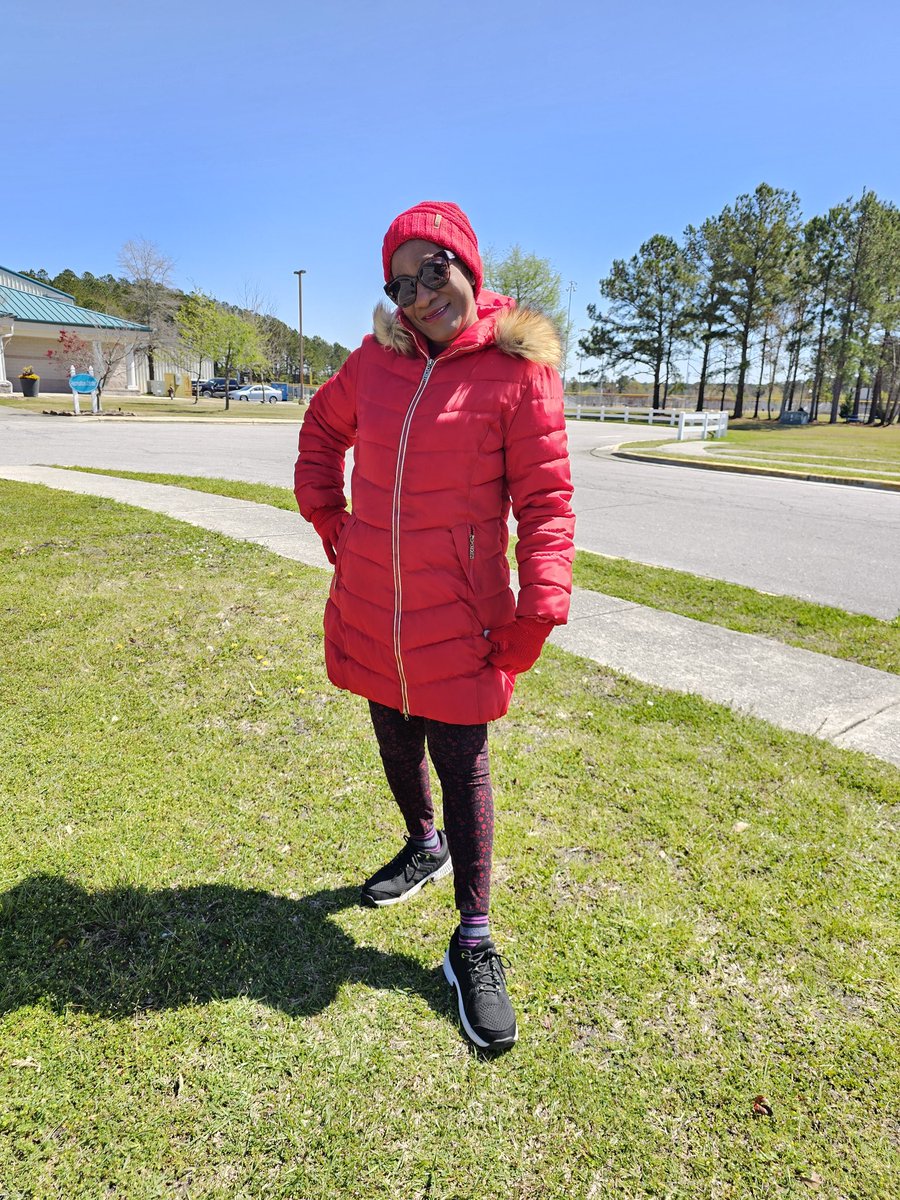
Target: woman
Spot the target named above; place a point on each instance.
(454, 411)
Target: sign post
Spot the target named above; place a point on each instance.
(84, 385)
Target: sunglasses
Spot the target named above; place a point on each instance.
(433, 274)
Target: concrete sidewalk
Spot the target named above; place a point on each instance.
(853, 706)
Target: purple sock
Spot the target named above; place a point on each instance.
(473, 928)
(431, 843)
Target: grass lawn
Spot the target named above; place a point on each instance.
(160, 406)
(846, 451)
(700, 910)
(817, 627)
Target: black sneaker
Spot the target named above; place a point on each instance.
(406, 874)
(480, 981)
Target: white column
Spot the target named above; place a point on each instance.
(130, 379)
(4, 338)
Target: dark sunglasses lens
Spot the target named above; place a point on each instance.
(406, 291)
(434, 273)
(402, 291)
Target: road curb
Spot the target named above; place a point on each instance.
(881, 485)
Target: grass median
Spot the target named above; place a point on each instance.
(818, 627)
(114, 407)
(841, 451)
(698, 909)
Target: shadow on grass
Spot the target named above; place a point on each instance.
(127, 950)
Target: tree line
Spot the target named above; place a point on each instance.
(758, 294)
(188, 328)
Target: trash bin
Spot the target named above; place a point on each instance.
(794, 416)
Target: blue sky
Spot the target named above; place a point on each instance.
(247, 140)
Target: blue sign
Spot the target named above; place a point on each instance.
(83, 384)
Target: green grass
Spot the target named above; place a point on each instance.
(259, 493)
(843, 451)
(817, 627)
(160, 406)
(699, 909)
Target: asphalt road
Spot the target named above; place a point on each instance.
(836, 545)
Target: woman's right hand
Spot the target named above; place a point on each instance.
(516, 647)
(328, 523)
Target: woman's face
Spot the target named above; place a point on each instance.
(440, 315)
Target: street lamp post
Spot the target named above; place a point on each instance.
(570, 290)
(300, 275)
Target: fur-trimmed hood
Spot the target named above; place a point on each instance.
(522, 332)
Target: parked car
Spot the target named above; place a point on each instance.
(217, 386)
(260, 393)
(201, 387)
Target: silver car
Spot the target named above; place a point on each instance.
(259, 393)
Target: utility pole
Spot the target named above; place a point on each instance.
(300, 275)
(570, 289)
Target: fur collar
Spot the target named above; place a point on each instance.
(521, 332)
(529, 334)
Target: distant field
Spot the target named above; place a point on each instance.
(848, 451)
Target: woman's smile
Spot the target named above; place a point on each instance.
(436, 313)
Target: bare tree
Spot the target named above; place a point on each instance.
(153, 301)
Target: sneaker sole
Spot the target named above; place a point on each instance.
(500, 1043)
(440, 873)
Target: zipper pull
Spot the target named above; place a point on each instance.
(471, 542)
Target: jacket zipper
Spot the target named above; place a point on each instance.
(395, 529)
(395, 522)
(471, 543)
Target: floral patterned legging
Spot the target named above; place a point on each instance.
(460, 757)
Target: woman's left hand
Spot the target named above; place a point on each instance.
(328, 523)
(517, 646)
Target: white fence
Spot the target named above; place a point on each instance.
(715, 423)
(643, 416)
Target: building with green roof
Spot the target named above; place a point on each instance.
(34, 315)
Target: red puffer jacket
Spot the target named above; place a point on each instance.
(441, 447)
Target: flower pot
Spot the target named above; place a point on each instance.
(30, 387)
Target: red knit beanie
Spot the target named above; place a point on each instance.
(435, 221)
